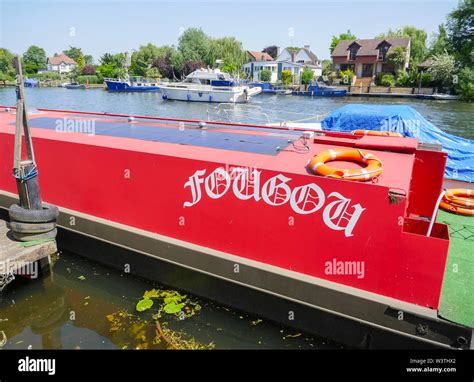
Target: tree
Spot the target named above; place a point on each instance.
(7, 70)
(34, 59)
(153, 73)
(465, 85)
(307, 75)
(397, 57)
(387, 79)
(227, 49)
(272, 50)
(194, 45)
(88, 59)
(418, 50)
(74, 53)
(460, 36)
(286, 77)
(438, 42)
(81, 62)
(143, 59)
(111, 65)
(343, 36)
(265, 75)
(89, 70)
(442, 69)
(192, 65)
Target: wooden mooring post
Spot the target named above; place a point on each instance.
(28, 256)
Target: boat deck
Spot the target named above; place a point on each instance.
(457, 300)
(250, 146)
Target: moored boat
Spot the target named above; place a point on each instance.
(131, 84)
(75, 85)
(269, 88)
(237, 205)
(316, 89)
(209, 85)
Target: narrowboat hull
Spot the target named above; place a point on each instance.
(232, 207)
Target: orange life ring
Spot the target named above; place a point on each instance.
(374, 167)
(463, 197)
(457, 210)
(377, 133)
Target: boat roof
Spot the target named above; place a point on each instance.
(209, 74)
(253, 146)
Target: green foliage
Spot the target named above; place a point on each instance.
(387, 79)
(6, 63)
(48, 76)
(143, 59)
(153, 73)
(346, 76)
(418, 49)
(194, 45)
(91, 79)
(111, 66)
(144, 304)
(74, 53)
(426, 79)
(465, 84)
(327, 67)
(403, 78)
(81, 63)
(265, 75)
(343, 36)
(227, 49)
(307, 76)
(34, 59)
(439, 41)
(88, 59)
(286, 77)
(396, 56)
(442, 70)
(460, 36)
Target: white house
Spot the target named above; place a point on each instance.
(61, 64)
(290, 59)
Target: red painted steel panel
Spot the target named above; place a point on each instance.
(157, 187)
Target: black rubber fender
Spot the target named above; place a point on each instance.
(31, 227)
(35, 236)
(47, 214)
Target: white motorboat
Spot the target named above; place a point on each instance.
(209, 85)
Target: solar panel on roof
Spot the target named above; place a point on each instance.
(204, 138)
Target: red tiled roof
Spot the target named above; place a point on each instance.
(260, 56)
(368, 47)
(56, 60)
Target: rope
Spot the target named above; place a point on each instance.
(20, 174)
(305, 119)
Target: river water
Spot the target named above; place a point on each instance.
(85, 305)
(453, 117)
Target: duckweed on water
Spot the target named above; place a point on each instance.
(137, 332)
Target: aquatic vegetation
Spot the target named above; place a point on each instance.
(144, 330)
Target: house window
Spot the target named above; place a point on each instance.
(353, 53)
(383, 52)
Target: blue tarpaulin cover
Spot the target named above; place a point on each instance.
(407, 121)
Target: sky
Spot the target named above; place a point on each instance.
(117, 26)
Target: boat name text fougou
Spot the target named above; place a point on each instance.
(338, 212)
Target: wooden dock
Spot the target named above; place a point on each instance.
(15, 255)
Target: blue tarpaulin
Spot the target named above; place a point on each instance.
(407, 121)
